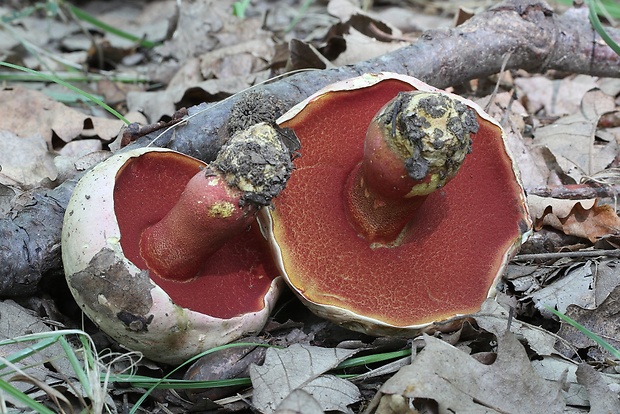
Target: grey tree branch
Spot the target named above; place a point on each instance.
(532, 36)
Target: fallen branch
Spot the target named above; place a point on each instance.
(532, 36)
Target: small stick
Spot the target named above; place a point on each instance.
(538, 257)
(576, 191)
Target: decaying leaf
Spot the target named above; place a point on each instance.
(596, 321)
(606, 279)
(575, 287)
(586, 285)
(565, 98)
(548, 363)
(302, 367)
(578, 391)
(494, 318)
(581, 218)
(299, 402)
(25, 160)
(361, 47)
(601, 399)
(29, 113)
(461, 384)
(571, 138)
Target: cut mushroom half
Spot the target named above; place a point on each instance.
(395, 222)
(163, 252)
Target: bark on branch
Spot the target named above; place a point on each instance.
(526, 33)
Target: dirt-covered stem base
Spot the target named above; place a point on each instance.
(414, 145)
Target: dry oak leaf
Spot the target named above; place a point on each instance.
(461, 384)
(580, 218)
(600, 321)
(571, 138)
(602, 400)
(29, 113)
(302, 367)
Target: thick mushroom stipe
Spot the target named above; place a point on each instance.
(218, 203)
(414, 145)
(450, 253)
(200, 223)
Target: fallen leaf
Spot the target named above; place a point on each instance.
(303, 55)
(159, 103)
(571, 138)
(302, 367)
(565, 96)
(25, 160)
(299, 401)
(576, 287)
(548, 363)
(28, 113)
(237, 60)
(580, 218)
(149, 20)
(596, 321)
(461, 384)
(492, 317)
(526, 279)
(540, 206)
(606, 279)
(602, 400)
(561, 370)
(361, 47)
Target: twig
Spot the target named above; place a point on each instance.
(540, 257)
(576, 191)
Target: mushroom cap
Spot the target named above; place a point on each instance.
(167, 321)
(454, 250)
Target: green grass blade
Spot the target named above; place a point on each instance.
(26, 400)
(600, 341)
(598, 26)
(146, 382)
(11, 76)
(82, 15)
(76, 366)
(29, 351)
(300, 14)
(239, 8)
(158, 383)
(374, 358)
(68, 85)
(152, 383)
(610, 7)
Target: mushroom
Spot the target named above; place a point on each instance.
(162, 251)
(376, 230)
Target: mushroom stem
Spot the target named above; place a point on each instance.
(218, 203)
(414, 145)
(206, 216)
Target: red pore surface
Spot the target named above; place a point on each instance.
(455, 245)
(233, 281)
